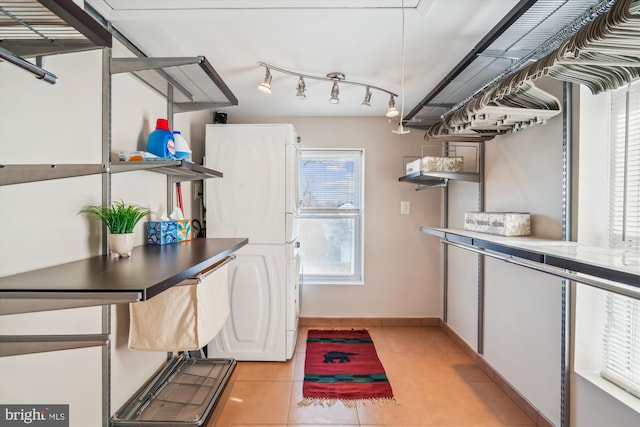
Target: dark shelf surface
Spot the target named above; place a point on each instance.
(49, 27)
(431, 178)
(149, 271)
(617, 265)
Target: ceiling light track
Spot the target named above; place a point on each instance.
(334, 77)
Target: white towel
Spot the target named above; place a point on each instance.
(182, 318)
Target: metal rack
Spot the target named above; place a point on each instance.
(183, 393)
(440, 178)
(45, 27)
(527, 33)
(189, 83)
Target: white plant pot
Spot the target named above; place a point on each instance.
(121, 244)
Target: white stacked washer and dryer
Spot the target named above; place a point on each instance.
(257, 198)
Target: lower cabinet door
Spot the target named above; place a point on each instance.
(255, 328)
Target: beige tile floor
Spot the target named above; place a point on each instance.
(434, 382)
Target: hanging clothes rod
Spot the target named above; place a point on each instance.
(617, 288)
(40, 73)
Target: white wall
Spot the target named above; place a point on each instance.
(522, 308)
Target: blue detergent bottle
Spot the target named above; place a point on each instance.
(161, 142)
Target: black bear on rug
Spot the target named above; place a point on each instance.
(341, 356)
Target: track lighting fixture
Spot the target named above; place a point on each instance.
(334, 93)
(336, 79)
(265, 86)
(367, 99)
(392, 112)
(300, 89)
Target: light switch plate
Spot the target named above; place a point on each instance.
(405, 207)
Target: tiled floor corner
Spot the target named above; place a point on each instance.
(434, 381)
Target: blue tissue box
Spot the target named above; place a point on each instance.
(162, 232)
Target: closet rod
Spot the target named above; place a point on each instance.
(555, 271)
(40, 73)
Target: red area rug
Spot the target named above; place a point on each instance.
(342, 365)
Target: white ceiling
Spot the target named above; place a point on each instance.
(360, 38)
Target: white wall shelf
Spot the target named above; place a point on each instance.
(615, 270)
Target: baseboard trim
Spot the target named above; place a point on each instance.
(348, 322)
(345, 322)
(517, 398)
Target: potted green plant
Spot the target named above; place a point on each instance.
(120, 219)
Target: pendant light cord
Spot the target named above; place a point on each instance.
(402, 68)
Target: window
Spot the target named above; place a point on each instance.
(331, 216)
(624, 207)
(622, 330)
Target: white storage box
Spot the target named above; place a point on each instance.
(183, 318)
(442, 164)
(413, 167)
(500, 223)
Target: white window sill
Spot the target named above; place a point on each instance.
(330, 283)
(611, 389)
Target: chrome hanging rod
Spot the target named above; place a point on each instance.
(336, 77)
(40, 73)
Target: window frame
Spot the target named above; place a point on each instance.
(621, 335)
(358, 215)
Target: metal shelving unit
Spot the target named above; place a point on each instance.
(45, 27)
(189, 84)
(102, 280)
(614, 270)
(179, 170)
(468, 157)
(435, 179)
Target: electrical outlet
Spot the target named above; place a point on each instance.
(405, 207)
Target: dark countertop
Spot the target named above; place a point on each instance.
(149, 271)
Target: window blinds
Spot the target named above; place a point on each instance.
(624, 208)
(330, 180)
(622, 331)
(622, 343)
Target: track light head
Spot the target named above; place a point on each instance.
(265, 86)
(335, 91)
(392, 112)
(300, 89)
(367, 99)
